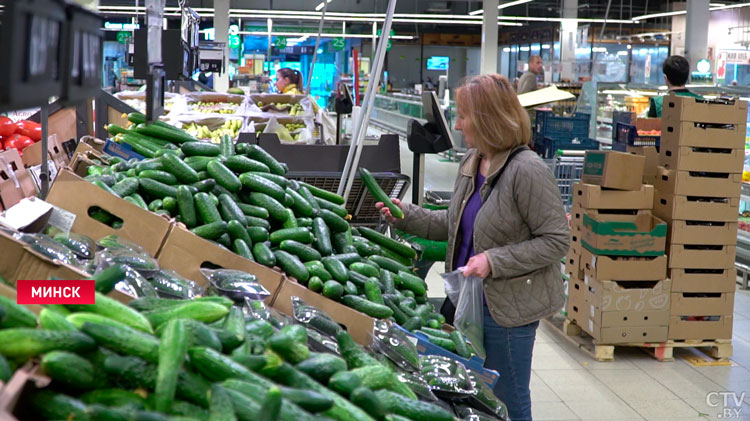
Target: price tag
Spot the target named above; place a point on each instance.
(62, 219)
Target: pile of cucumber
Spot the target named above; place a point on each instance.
(184, 360)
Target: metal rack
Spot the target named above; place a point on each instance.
(567, 168)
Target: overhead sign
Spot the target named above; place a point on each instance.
(211, 60)
(279, 42)
(338, 44)
(123, 37)
(121, 26)
(297, 50)
(234, 41)
(703, 66)
(390, 43)
(737, 57)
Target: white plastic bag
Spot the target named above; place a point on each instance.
(469, 318)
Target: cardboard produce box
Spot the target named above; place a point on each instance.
(78, 196)
(686, 208)
(699, 328)
(19, 261)
(626, 334)
(16, 182)
(702, 280)
(614, 268)
(591, 196)
(702, 232)
(32, 155)
(680, 108)
(692, 183)
(624, 235)
(628, 318)
(688, 133)
(613, 170)
(359, 325)
(573, 267)
(13, 397)
(683, 256)
(702, 304)
(627, 295)
(687, 158)
(652, 159)
(186, 253)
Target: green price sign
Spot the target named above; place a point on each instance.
(338, 44)
(234, 41)
(279, 42)
(390, 43)
(123, 37)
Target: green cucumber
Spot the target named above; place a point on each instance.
(350, 288)
(206, 209)
(156, 189)
(78, 319)
(155, 205)
(257, 153)
(335, 222)
(388, 242)
(398, 314)
(260, 184)
(124, 340)
(336, 268)
(302, 235)
(344, 383)
(200, 149)
(263, 254)
(340, 211)
(69, 369)
(333, 290)
(340, 242)
(186, 207)
(441, 342)
(212, 231)
(229, 210)
(364, 269)
(459, 342)
(238, 232)
(255, 211)
(16, 315)
(149, 164)
(278, 179)
(389, 264)
(301, 206)
(224, 176)
(436, 332)
(359, 280)
(52, 320)
(24, 342)
(365, 247)
(227, 145)
(354, 355)
(322, 237)
(173, 135)
(242, 164)
(291, 265)
(307, 400)
(206, 312)
(216, 367)
(387, 279)
(126, 187)
(275, 209)
(160, 176)
(348, 258)
(258, 222)
(199, 163)
(412, 282)
(378, 311)
(378, 194)
(412, 409)
(315, 284)
(305, 193)
(304, 222)
(220, 407)
(408, 262)
(367, 400)
(316, 268)
(291, 220)
(169, 204)
(324, 194)
(372, 291)
(56, 406)
(303, 252)
(172, 351)
(206, 184)
(245, 408)
(179, 168)
(114, 398)
(321, 366)
(257, 234)
(115, 310)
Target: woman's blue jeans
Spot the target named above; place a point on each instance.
(509, 352)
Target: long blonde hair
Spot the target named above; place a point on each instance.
(497, 120)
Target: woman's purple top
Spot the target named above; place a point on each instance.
(466, 227)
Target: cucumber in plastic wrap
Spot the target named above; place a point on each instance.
(169, 284)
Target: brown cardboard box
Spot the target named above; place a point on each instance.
(670, 208)
(613, 170)
(359, 325)
(652, 158)
(577, 212)
(688, 183)
(624, 235)
(702, 304)
(626, 334)
(19, 261)
(624, 268)
(15, 182)
(591, 196)
(685, 327)
(688, 133)
(680, 108)
(702, 280)
(575, 240)
(698, 232)
(186, 253)
(77, 195)
(685, 158)
(628, 295)
(572, 264)
(33, 154)
(576, 302)
(687, 257)
(628, 318)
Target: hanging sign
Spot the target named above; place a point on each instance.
(390, 43)
(338, 44)
(279, 42)
(123, 37)
(234, 41)
(737, 57)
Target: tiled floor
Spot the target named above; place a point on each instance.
(567, 384)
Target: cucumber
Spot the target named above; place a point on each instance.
(78, 319)
(387, 279)
(179, 168)
(350, 288)
(315, 284)
(155, 205)
(199, 163)
(289, 411)
(115, 310)
(257, 153)
(275, 209)
(114, 398)
(173, 135)
(389, 264)
(317, 269)
(291, 220)
(199, 334)
(364, 269)
(186, 207)
(304, 222)
(137, 200)
(354, 355)
(367, 400)
(344, 383)
(258, 222)
(436, 332)
(305, 193)
(335, 222)
(126, 187)
(220, 407)
(169, 204)
(412, 283)
(321, 366)
(307, 400)
(340, 242)
(229, 210)
(378, 311)
(206, 209)
(242, 164)
(412, 409)
(372, 291)
(335, 209)
(359, 280)
(206, 184)
(24, 342)
(257, 234)
(303, 252)
(149, 164)
(215, 366)
(365, 247)
(413, 323)
(333, 290)
(187, 409)
(336, 268)
(302, 235)
(56, 406)
(227, 145)
(260, 184)
(264, 255)
(432, 323)
(378, 194)
(69, 369)
(408, 262)
(237, 231)
(245, 408)
(292, 265)
(255, 211)
(156, 189)
(441, 342)
(212, 231)
(459, 342)
(172, 351)
(224, 176)
(398, 314)
(15, 315)
(52, 320)
(206, 312)
(200, 149)
(124, 340)
(348, 258)
(388, 242)
(301, 206)
(322, 237)
(278, 179)
(104, 186)
(160, 176)
(324, 194)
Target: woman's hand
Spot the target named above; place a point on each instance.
(387, 212)
(478, 266)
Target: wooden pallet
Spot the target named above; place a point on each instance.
(720, 349)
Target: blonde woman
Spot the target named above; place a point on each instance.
(506, 224)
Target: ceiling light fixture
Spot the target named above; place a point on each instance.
(713, 7)
(322, 4)
(502, 6)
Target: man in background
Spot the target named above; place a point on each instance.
(676, 72)
(527, 83)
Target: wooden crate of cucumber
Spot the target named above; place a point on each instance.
(238, 197)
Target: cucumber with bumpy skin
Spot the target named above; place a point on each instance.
(242, 164)
(212, 231)
(324, 194)
(179, 168)
(15, 315)
(302, 235)
(292, 265)
(186, 207)
(388, 242)
(369, 181)
(264, 255)
(172, 351)
(335, 222)
(302, 251)
(275, 209)
(259, 154)
(69, 369)
(301, 206)
(224, 176)
(379, 311)
(206, 208)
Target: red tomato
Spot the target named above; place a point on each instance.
(23, 142)
(30, 129)
(11, 142)
(7, 126)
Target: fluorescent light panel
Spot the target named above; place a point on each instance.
(322, 5)
(712, 8)
(502, 6)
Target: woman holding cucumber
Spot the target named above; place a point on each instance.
(505, 224)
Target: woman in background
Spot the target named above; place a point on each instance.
(289, 81)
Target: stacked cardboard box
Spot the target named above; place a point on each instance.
(618, 291)
(698, 188)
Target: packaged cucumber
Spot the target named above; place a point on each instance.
(113, 242)
(485, 398)
(467, 413)
(446, 377)
(314, 318)
(418, 385)
(83, 246)
(169, 284)
(234, 284)
(395, 345)
(48, 247)
(135, 285)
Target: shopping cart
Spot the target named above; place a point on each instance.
(567, 167)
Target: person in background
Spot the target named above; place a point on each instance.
(289, 81)
(429, 85)
(676, 72)
(506, 225)
(527, 83)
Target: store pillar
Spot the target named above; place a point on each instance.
(489, 37)
(568, 32)
(221, 23)
(696, 37)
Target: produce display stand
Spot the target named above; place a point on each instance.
(109, 110)
(68, 122)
